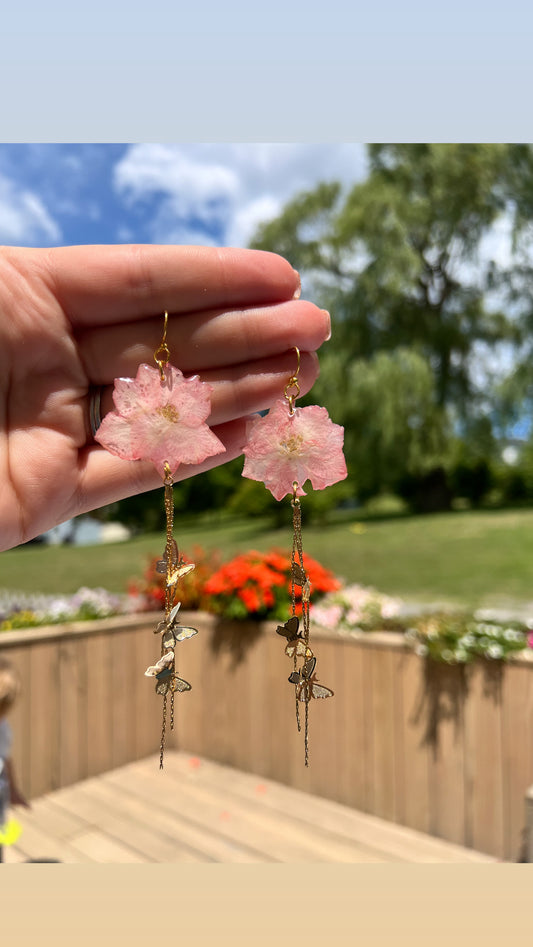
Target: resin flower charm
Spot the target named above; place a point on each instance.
(282, 448)
(160, 420)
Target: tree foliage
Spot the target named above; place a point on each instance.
(395, 257)
(401, 260)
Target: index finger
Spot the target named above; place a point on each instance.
(99, 285)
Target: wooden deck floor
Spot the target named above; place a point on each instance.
(199, 811)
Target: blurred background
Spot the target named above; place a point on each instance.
(423, 255)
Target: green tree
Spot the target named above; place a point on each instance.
(394, 258)
(394, 427)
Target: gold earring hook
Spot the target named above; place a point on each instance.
(292, 389)
(162, 353)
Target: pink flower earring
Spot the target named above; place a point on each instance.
(284, 449)
(160, 416)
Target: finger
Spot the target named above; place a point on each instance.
(110, 284)
(240, 390)
(203, 341)
(105, 478)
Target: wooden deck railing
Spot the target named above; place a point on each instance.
(445, 750)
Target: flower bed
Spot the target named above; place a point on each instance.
(256, 586)
(30, 610)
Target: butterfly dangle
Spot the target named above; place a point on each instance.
(306, 686)
(284, 449)
(161, 416)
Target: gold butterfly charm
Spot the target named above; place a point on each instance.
(295, 641)
(161, 564)
(290, 629)
(307, 686)
(161, 665)
(168, 623)
(168, 683)
(182, 570)
(171, 631)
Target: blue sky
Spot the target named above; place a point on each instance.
(216, 194)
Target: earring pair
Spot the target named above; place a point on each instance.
(161, 416)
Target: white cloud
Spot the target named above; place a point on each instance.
(221, 192)
(24, 219)
(247, 218)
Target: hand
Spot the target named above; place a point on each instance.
(76, 317)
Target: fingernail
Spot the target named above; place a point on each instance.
(326, 313)
(298, 291)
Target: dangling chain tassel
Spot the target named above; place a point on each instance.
(170, 558)
(300, 577)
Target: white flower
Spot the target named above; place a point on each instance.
(467, 641)
(495, 651)
(421, 650)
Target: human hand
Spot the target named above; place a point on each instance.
(76, 317)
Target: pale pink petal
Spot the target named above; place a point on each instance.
(160, 420)
(114, 434)
(126, 397)
(173, 443)
(192, 400)
(282, 448)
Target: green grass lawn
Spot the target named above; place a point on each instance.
(469, 557)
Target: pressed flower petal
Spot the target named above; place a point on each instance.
(126, 397)
(282, 448)
(160, 421)
(114, 434)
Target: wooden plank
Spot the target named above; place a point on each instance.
(73, 738)
(259, 745)
(445, 696)
(110, 816)
(484, 764)
(324, 757)
(368, 732)
(517, 745)
(161, 836)
(146, 704)
(395, 842)
(125, 685)
(282, 742)
(238, 697)
(397, 699)
(193, 655)
(411, 734)
(215, 700)
(208, 843)
(383, 804)
(276, 835)
(47, 813)
(209, 812)
(351, 725)
(44, 718)
(99, 700)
